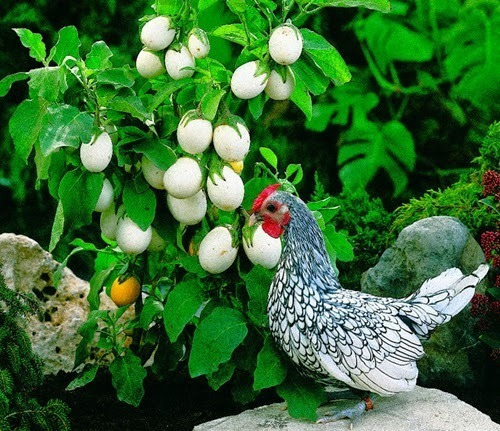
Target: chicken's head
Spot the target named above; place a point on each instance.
(268, 209)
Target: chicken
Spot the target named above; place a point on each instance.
(333, 334)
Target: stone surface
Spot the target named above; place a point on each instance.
(28, 268)
(423, 250)
(420, 410)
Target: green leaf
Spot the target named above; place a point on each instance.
(182, 304)
(7, 81)
(380, 5)
(370, 147)
(84, 378)
(158, 152)
(210, 103)
(492, 340)
(67, 45)
(257, 282)
(313, 78)
(57, 227)
(192, 264)
(87, 331)
(97, 282)
(79, 191)
(47, 83)
(140, 204)
(98, 57)
(237, 6)
(271, 369)
(118, 77)
(338, 241)
(215, 339)
(130, 105)
(127, 377)
(25, 126)
(256, 105)
(302, 395)
(232, 32)
(166, 91)
(221, 376)
(34, 42)
(168, 7)
(151, 309)
(64, 126)
(326, 57)
(494, 292)
(269, 156)
(302, 98)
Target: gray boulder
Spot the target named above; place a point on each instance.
(419, 410)
(423, 250)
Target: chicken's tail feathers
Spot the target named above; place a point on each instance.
(439, 299)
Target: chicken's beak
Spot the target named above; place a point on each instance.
(253, 220)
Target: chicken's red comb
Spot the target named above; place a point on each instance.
(264, 194)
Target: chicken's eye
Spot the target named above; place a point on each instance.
(271, 208)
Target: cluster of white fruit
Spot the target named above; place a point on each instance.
(252, 78)
(179, 61)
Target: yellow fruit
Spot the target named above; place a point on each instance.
(125, 292)
(237, 166)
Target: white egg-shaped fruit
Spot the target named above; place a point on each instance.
(157, 242)
(152, 174)
(198, 43)
(216, 251)
(158, 33)
(194, 134)
(183, 179)
(245, 84)
(106, 197)
(97, 154)
(285, 44)
(264, 249)
(230, 145)
(131, 238)
(109, 222)
(149, 65)
(226, 193)
(189, 211)
(177, 61)
(276, 89)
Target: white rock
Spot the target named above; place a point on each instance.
(226, 193)
(230, 145)
(419, 410)
(198, 44)
(188, 211)
(149, 65)
(97, 154)
(276, 89)
(131, 238)
(158, 33)
(245, 84)
(183, 179)
(152, 174)
(264, 249)
(216, 252)
(194, 134)
(106, 197)
(177, 61)
(285, 44)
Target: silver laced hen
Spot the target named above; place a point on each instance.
(367, 342)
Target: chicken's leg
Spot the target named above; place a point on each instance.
(348, 410)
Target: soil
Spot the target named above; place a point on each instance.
(177, 404)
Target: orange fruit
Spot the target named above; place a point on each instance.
(125, 292)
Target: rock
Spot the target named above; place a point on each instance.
(423, 250)
(419, 410)
(28, 268)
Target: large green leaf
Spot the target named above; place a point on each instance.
(57, 227)
(215, 339)
(182, 304)
(258, 281)
(232, 32)
(140, 203)
(271, 369)
(302, 395)
(128, 375)
(380, 5)
(98, 57)
(25, 125)
(47, 83)
(68, 44)
(34, 42)
(7, 81)
(88, 375)
(65, 126)
(302, 98)
(326, 57)
(79, 191)
(117, 77)
(370, 147)
(314, 79)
